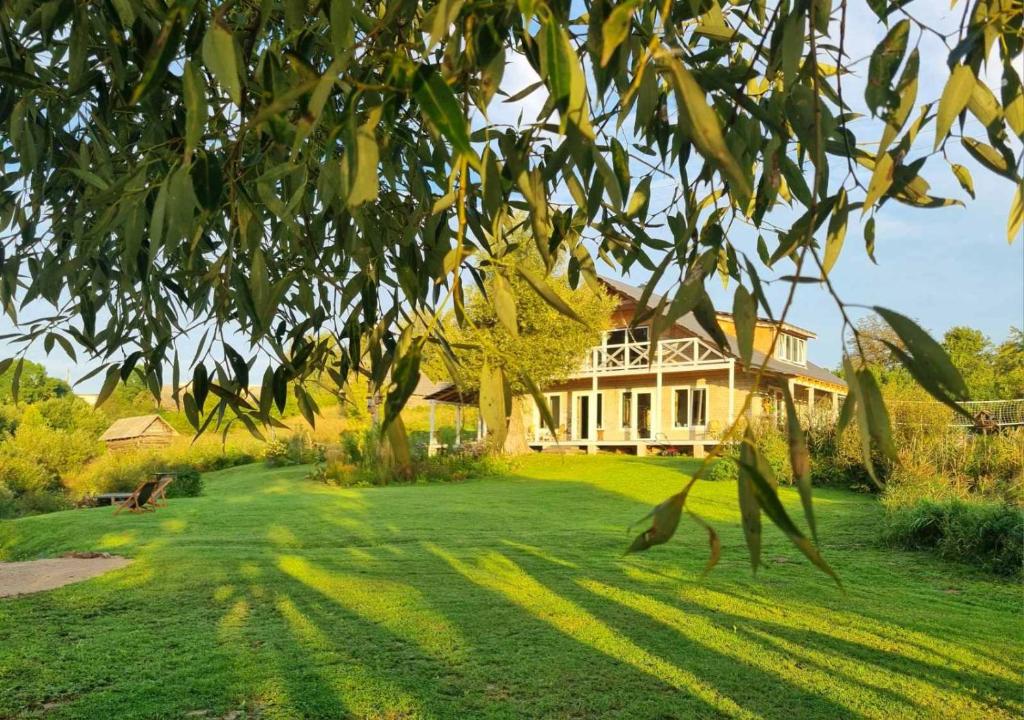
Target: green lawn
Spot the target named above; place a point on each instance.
(273, 597)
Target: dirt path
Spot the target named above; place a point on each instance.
(21, 578)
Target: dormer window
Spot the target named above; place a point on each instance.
(791, 349)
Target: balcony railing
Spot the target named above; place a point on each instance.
(679, 353)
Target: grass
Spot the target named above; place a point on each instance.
(508, 597)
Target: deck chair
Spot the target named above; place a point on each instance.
(137, 501)
(159, 497)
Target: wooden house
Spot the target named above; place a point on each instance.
(633, 395)
(144, 431)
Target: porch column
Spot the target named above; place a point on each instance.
(633, 434)
(810, 405)
(732, 390)
(592, 415)
(432, 441)
(458, 425)
(656, 425)
(835, 405)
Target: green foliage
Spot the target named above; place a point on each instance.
(71, 413)
(187, 483)
(34, 385)
(514, 328)
(773, 446)
(296, 449)
(986, 535)
(123, 471)
(56, 452)
(27, 488)
(991, 373)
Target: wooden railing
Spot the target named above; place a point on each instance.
(632, 357)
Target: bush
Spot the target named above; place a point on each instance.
(122, 472)
(276, 453)
(356, 463)
(21, 475)
(985, 534)
(58, 452)
(725, 468)
(294, 450)
(333, 469)
(27, 488)
(188, 483)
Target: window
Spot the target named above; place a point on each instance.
(600, 411)
(791, 349)
(699, 407)
(555, 403)
(682, 407)
(691, 407)
(624, 335)
(627, 409)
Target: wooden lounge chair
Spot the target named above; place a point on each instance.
(140, 497)
(159, 497)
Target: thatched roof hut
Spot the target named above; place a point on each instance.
(138, 432)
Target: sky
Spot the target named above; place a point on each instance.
(943, 267)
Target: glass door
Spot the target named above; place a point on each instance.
(643, 415)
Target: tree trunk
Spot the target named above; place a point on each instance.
(394, 450)
(515, 438)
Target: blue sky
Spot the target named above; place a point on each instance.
(944, 267)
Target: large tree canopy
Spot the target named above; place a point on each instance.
(318, 174)
(509, 327)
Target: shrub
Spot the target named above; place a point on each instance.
(188, 483)
(724, 468)
(985, 534)
(21, 476)
(356, 463)
(334, 470)
(293, 450)
(276, 453)
(26, 488)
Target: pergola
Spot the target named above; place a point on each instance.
(451, 395)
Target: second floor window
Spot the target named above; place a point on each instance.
(791, 349)
(621, 336)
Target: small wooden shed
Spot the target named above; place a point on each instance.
(144, 431)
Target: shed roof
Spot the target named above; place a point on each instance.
(133, 427)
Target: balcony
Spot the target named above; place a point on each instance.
(636, 357)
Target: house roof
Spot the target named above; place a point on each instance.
(425, 387)
(133, 427)
(689, 323)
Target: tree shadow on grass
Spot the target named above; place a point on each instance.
(458, 601)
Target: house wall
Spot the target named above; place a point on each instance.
(714, 382)
(154, 440)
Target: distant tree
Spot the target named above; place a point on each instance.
(868, 345)
(528, 338)
(1009, 366)
(973, 355)
(34, 385)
